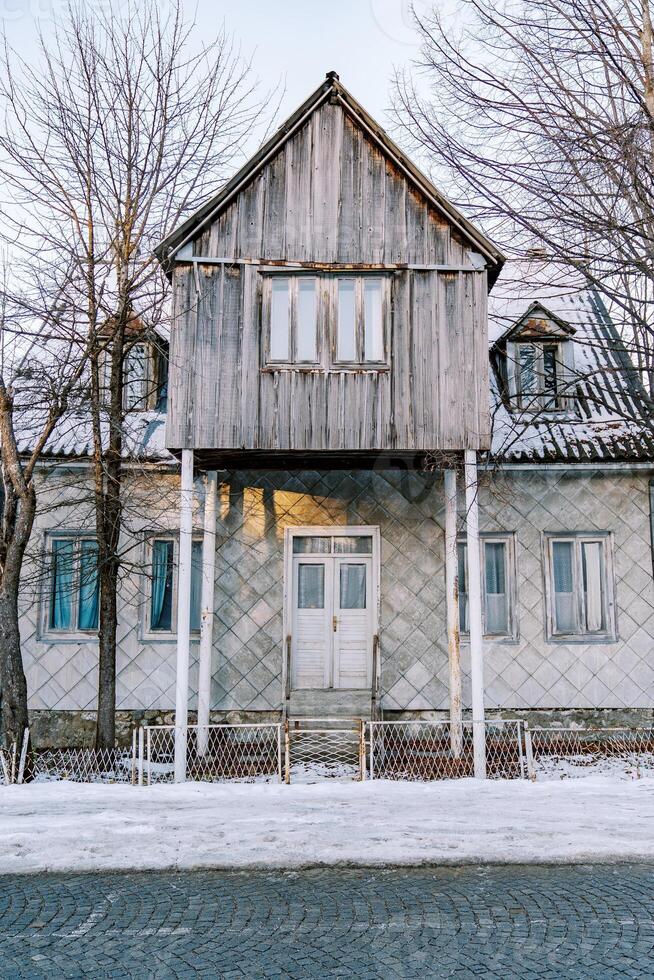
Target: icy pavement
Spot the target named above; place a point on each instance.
(73, 827)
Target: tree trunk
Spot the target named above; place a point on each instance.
(105, 735)
(13, 687)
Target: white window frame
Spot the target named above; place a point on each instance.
(537, 401)
(609, 605)
(508, 539)
(293, 278)
(147, 632)
(327, 308)
(47, 631)
(359, 362)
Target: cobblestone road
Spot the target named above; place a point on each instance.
(507, 922)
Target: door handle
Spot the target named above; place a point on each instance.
(335, 622)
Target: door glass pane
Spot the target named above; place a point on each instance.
(462, 555)
(279, 314)
(564, 604)
(311, 587)
(353, 545)
(87, 616)
(61, 597)
(372, 316)
(196, 585)
(306, 320)
(353, 587)
(591, 560)
(311, 545)
(496, 604)
(346, 342)
(161, 600)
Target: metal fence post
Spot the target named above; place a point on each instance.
(520, 755)
(287, 754)
(529, 753)
(280, 765)
(372, 749)
(141, 734)
(149, 754)
(132, 775)
(362, 749)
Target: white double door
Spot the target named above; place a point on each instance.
(332, 622)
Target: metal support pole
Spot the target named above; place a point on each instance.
(139, 757)
(183, 613)
(452, 606)
(476, 629)
(206, 623)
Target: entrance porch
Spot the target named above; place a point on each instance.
(330, 593)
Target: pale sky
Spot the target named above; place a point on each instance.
(293, 42)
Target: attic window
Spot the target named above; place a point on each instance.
(539, 376)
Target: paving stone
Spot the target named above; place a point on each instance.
(532, 923)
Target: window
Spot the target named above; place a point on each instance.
(498, 586)
(145, 376)
(73, 599)
(360, 320)
(163, 588)
(539, 376)
(326, 544)
(579, 584)
(297, 309)
(292, 312)
(135, 378)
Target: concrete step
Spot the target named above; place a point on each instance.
(330, 704)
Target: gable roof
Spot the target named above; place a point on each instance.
(330, 90)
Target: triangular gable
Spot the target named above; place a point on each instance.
(536, 323)
(332, 91)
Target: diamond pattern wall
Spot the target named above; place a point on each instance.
(255, 508)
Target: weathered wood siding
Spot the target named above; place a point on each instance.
(329, 197)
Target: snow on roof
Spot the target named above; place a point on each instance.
(609, 418)
(143, 439)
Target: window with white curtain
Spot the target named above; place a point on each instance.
(73, 585)
(290, 306)
(498, 586)
(579, 586)
(162, 604)
(360, 319)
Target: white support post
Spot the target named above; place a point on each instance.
(206, 623)
(452, 606)
(183, 613)
(476, 629)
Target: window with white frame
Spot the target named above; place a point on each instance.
(73, 585)
(333, 321)
(498, 586)
(162, 606)
(360, 320)
(290, 306)
(579, 586)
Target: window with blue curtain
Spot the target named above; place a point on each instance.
(89, 593)
(74, 585)
(496, 595)
(163, 598)
(61, 595)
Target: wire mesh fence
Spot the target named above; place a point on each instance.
(215, 753)
(429, 750)
(81, 765)
(572, 752)
(315, 750)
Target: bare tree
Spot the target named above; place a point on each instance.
(539, 118)
(109, 141)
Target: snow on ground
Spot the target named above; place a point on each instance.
(73, 827)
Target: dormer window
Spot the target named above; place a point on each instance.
(539, 376)
(536, 354)
(145, 376)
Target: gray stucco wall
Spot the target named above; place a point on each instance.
(254, 510)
